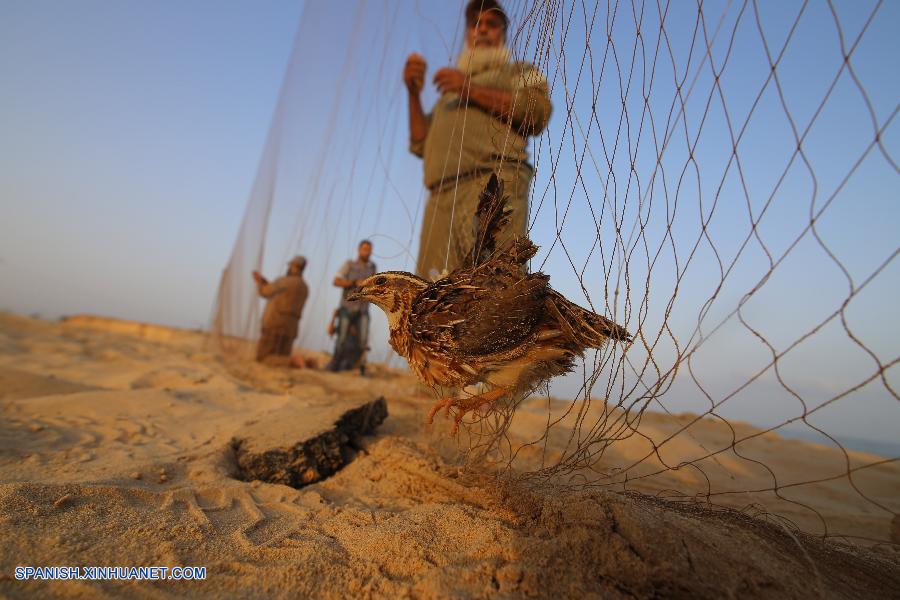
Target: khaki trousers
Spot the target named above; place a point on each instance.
(274, 342)
(449, 219)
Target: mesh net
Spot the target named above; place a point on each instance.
(719, 178)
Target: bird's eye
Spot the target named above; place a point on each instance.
(380, 280)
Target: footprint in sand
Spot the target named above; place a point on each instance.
(239, 513)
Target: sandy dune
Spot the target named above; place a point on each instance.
(115, 449)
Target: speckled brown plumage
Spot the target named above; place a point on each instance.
(489, 321)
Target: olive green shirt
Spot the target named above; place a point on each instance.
(286, 297)
(464, 139)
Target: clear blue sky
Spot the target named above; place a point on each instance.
(131, 134)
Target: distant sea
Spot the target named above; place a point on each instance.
(879, 447)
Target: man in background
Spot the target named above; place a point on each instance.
(352, 317)
(285, 298)
(489, 106)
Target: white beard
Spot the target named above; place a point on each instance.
(472, 61)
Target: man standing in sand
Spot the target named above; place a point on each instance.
(352, 314)
(284, 306)
(488, 108)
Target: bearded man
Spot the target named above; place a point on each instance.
(488, 107)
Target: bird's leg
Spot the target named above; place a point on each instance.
(464, 405)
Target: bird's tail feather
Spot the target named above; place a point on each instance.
(586, 327)
(490, 219)
(518, 251)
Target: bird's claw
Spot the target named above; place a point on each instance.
(463, 406)
(444, 403)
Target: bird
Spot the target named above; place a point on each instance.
(489, 322)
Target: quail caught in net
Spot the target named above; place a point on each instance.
(489, 321)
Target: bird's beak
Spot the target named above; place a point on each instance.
(355, 295)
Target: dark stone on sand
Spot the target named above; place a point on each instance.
(301, 444)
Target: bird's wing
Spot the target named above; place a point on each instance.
(490, 219)
(586, 327)
(473, 316)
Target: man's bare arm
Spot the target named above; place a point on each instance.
(268, 289)
(344, 283)
(414, 78)
(261, 282)
(418, 123)
(497, 102)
